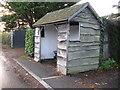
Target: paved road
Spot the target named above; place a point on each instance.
(8, 78)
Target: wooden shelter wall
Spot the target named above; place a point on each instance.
(83, 55)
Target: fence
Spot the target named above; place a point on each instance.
(18, 39)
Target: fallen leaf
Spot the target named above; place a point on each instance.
(76, 80)
(88, 85)
(100, 83)
(97, 83)
(24, 78)
(86, 75)
(35, 87)
(26, 74)
(103, 83)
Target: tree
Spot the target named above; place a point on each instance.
(11, 22)
(112, 27)
(30, 12)
(117, 7)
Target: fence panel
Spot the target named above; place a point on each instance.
(18, 39)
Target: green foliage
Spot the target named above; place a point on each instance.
(114, 39)
(5, 38)
(112, 27)
(102, 27)
(30, 12)
(10, 22)
(29, 42)
(108, 64)
(23, 57)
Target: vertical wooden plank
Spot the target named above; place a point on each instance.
(62, 57)
(11, 39)
(37, 49)
(81, 53)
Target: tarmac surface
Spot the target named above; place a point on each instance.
(8, 78)
(12, 75)
(46, 73)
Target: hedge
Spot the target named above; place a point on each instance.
(5, 38)
(29, 42)
(113, 29)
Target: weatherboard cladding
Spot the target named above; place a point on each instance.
(59, 15)
(75, 56)
(83, 55)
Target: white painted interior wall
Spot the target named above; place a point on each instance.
(49, 42)
(74, 33)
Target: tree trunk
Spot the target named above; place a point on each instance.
(31, 25)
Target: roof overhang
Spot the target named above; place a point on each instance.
(55, 23)
(85, 5)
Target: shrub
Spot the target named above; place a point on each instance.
(113, 35)
(108, 63)
(6, 38)
(29, 42)
(112, 27)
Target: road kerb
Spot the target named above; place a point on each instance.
(35, 76)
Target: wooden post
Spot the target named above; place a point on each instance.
(37, 47)
(12, 38)
(62, 48)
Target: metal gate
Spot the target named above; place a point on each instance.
(18, 39)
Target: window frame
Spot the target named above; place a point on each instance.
(78, 39)
(42, 32)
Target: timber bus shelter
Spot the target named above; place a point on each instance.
(74, 33)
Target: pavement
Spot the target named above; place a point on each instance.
(45, 74)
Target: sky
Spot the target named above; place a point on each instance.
(103, 7)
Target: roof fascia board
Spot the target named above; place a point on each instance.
(78, 11)
(36, 26)
(57, 23)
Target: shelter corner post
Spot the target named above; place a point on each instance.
(62, 50)
(37, 46)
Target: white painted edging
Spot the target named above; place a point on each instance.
(50, 77)
(36, 77)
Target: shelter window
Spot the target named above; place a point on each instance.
(42, 32)
(75, 31)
